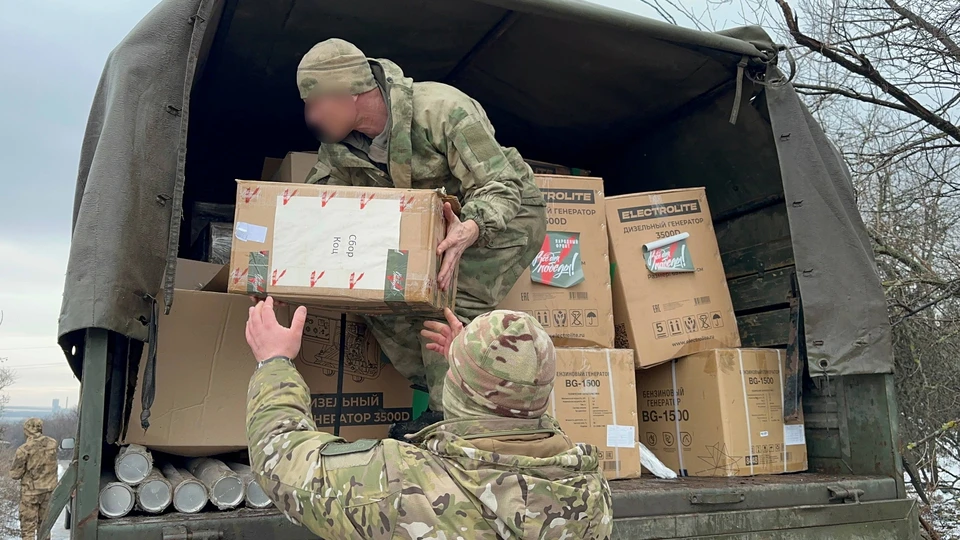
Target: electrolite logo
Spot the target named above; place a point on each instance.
(655, 211)
(568, 196)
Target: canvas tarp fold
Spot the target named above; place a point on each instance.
(845, 313)
(130, 160)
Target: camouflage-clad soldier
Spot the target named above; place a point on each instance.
(497, 467)
(380, 129)
(35, 466)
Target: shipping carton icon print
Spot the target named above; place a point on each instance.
(321, 348)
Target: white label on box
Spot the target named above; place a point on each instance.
(335, 242)
(794, 435)
(248, 232)
(764, 433)
(621, 436)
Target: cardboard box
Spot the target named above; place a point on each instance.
(200, 276)
(295, 167)
(720, 413)
(271, 167)
(204, 366)
(542, 167)
(567, 287)
(360, 250)
(594, 400)
(670, 295)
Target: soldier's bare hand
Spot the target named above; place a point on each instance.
(268, 338)
(254, 300)
(460, 236)
(442, 335)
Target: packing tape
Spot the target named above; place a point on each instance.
(395, 279)
(259, 267)
(553, 401)
(676, 419)
(780, 378)
(746, 411)
(613, 409)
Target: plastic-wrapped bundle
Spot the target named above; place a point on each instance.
(224, 487)
(116, 498)
(155, 493)
(254, 497)
(189, 494)
(214, 243)
(133, 464)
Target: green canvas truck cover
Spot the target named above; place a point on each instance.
(559, 78)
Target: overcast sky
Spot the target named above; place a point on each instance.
(54, 53)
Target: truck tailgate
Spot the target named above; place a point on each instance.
(795, 506)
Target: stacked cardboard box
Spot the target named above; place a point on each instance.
(720, 413)
(714, 409)
(567, 287)
(360, 250)
(594, 400)
(670, 295)
(271, 166)
(295, 168)
(204, 413)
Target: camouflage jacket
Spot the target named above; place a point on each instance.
(438, 138)
(459, 482)
(35, 464)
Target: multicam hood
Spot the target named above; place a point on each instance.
(502, 364)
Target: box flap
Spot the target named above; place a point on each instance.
(201, 276)
(270, 167)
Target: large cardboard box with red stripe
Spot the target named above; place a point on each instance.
(366, 250)
(567, 287)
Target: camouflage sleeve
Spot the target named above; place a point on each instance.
(491, 185)
(19, 467)
(323, 174)
(332, 488)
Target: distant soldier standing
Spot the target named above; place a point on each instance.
(35, 466)
(379, 128)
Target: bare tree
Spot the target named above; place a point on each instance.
(883, 78)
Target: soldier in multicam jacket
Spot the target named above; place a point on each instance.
(381, 129)
(497, 467)
(35, 466)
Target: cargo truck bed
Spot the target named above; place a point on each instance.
(644, 105)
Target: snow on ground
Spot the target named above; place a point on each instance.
(58, 532)
(944, 511)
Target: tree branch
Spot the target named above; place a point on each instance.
(883, 249)
(951, 291)
(865, 69)
(952, 47)
(947, 426)
(826, 90)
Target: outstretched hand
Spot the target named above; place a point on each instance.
(268, 338)
(442, 335)
(460, 236)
